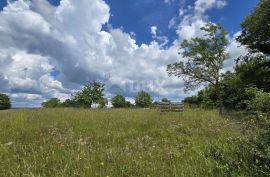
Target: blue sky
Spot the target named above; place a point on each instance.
(137, 16)
(51, 50)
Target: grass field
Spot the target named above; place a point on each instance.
(117, 143)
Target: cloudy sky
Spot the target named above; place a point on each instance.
(50, 48)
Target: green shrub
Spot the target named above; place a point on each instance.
(118, 101)
(52, 103)
(143, 99)
(259, 100)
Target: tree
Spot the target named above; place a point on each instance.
(192, 100)
(205, 56)
(70, 103)
(118, 101)
(52, 103)
(128, 104)
(4, 102)
(253, 72)
(143, 99)
(103, 102)
(208, 98)
(165, 100)
(233, 91)
(255, 29)
(90, 93)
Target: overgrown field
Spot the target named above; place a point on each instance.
(119, 143)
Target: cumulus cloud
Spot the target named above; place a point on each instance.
(38, 38)
(195, 18)
(201, 6)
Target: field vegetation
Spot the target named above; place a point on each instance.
(123, 142)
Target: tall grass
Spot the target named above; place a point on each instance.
(117, 143)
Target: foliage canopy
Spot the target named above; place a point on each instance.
(255, 29)
(4, 102)
(143, 99)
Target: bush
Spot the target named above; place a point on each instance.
(260, 100)
(4, 102)
(69, 103)
(103, 102)
(143, 99)
(128, 104)
(207, 98)
(52, 103)
(118, 101)
(165, 100)
(192, 100)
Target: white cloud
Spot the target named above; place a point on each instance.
(154, 31)
(235, 50)
(169, 2)
(201, 6)
(38, 38)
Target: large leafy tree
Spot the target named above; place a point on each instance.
(52, 103)
(256, 29)
(4, 102)
(143, 99)
(90, 93)
(118, 101)
(206, 56)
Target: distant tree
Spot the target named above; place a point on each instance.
(4, 102)
(128, 104)
(103, 102)
(118, 101)
(69, 103)
(165, 100)
(52, 103)
(255, 29)
(192, 100)
(206, 57)
(143, 99)
(90, 93)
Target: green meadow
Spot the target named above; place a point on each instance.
(120, 143)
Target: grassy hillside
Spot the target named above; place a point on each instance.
(117, 143)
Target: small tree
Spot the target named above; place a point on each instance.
(4, 102)
(69, 103)
(192, 100)
(143, 99)
(118, 101)
(128, 104)
(90, 93)
(165, 100)
(52, 103)
(103, 102)
(205, 60)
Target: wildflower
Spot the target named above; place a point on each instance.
(102, 163)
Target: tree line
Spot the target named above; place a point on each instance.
(93, 93)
